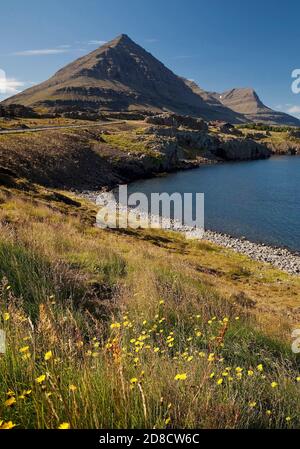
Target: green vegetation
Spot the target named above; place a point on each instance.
(130, 142)
(264, 127)
(139, 328)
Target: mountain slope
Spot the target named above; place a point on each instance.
(212, 99)
(246, 101)
(122, 76)
(119, 76)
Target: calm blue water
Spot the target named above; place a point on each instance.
(258, 199)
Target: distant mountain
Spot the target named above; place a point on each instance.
(122, 76)
(119, 76)
(246, 101)
(212, 99)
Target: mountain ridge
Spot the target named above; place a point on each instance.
(122, 76)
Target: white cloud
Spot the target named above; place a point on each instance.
(289, 109)
(294, 110)
(95, 42)
(41, 52)
(10, 87)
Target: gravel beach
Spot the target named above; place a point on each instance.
(281, 258)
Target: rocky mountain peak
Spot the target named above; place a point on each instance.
(122, 76)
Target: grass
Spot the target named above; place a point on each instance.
(129, 141)
(139, 329)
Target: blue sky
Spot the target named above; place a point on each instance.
(219, 44)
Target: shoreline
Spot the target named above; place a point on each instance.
(279, 257)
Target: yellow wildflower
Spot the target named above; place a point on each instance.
(64, 425)
(24, 349)
(250, 372)
(167, 421)
(133, 380)
(11, 401)
(252, 404)
(48, 355)
(211, 357)
(7, 425)
(6, 316)
(219, 382)
(41, 378)
(288, 419)
(274, 384)
(72, 387)
(115, 325)
(260, 367)
(298, 379)
(27, 392)
(182, 376)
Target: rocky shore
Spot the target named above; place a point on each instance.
(280, 258)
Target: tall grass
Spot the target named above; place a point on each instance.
(151, 372)
(123, 335)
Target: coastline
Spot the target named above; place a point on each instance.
(279, 257)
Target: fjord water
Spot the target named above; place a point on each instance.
(259, 200)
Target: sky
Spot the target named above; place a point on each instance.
(219, 44)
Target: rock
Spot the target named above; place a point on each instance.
(17, 110)
(295, 133)
(174, 120)
(242, 149)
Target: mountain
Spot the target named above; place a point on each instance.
(212, 100)
(120, 76)
(246, 101)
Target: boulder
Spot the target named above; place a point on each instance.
(295, 133)
(241, 150)
(174, 120)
